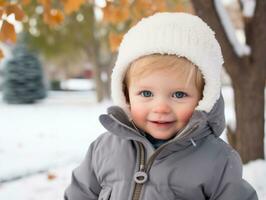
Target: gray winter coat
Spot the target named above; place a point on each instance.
(195, 165)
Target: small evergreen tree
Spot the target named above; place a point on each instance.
(23, 78)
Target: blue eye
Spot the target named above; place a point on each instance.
(179, 94)
(146, 93)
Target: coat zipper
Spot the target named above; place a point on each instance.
(141, 176)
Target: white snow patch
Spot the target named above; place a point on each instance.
(39, 187)
(255, 173)
(240, 34)
(55, 132)
(78, 84)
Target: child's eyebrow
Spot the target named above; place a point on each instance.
(172, 88)
(139, 87)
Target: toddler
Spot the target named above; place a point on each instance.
(162, 140)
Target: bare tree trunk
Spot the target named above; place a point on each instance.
(248, 78)
(98, 81)
(249, 107)
(109, 69)
(93, 52)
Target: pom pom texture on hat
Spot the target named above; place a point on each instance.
(180, 34)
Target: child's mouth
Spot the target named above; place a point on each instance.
(162, 123)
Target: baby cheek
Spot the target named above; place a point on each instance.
(185, 115)
(137, 113)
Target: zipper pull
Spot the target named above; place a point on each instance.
(140, 177)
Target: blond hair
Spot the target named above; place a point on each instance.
(149, 63)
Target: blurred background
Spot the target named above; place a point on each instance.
(56, 60)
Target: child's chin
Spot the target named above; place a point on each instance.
(159, 136)
(162, 133)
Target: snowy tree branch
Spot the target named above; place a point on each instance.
(258, 35)
(206, 10)
(239, 48)
(248, 7)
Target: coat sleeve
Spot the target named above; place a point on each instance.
(228, 182)
(84, 184)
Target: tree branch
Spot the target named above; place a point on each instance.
(206, 10)
(258, 42)
(239, 48)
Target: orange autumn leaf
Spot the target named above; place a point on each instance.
(107, 11)
(124, 2)
(1, 12)
(53, 17)
(51, 176)
(72, 5)
(1, 54)
(114, 41)
(180, 8)
(143, 4)
(120, 15)
(14, 8)
(115, 14)
(7, 33)
(159, 6)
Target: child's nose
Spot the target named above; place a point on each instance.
(161, 107)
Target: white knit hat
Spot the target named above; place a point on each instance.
(180, 34)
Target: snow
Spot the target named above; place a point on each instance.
(38, 187)
(78, 84)
(43, 143)
(248, 7)
(240, 34)
(239, 48)
(255, 173)
(44, 135)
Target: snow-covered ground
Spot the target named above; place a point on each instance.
(44, 142)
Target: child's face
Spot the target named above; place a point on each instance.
(162, 102)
